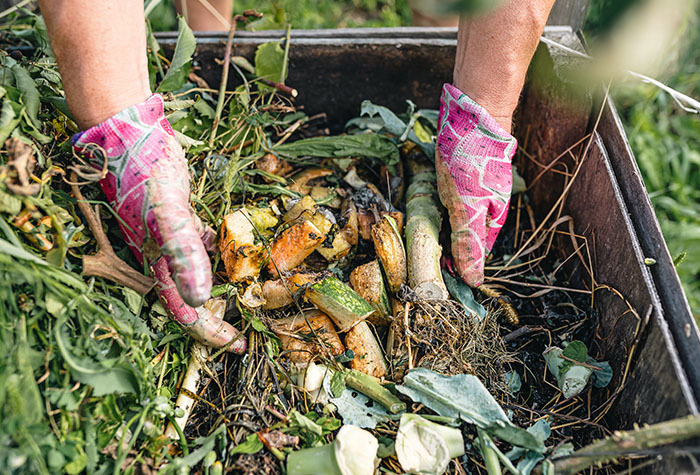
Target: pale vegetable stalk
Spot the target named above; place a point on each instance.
(423, 224)
(189, 385)
(353, 452)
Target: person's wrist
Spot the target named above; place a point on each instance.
(499, 104)
(97, 110)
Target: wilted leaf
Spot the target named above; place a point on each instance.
(463, 294)
(464, 396)
(603, 377)
(182, 59)
(30, 94)
(357, 409)
(269, 61)
(366, 145)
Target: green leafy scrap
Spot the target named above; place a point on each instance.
(269, 61)
(366, 145)
(464, 396)
(182, 59)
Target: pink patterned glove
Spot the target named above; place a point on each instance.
(473, 164)
(148, 185)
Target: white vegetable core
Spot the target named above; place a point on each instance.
(356, 451)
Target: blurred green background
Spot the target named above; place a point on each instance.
(664, 138)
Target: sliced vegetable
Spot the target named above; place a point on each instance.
(313, 382)
(365, 221)
(306, 205)
(242, 257)
(426, 447)
(253, 296)
(293, 246)
(340, 302)
(350, 230)
(304, 338)
(367, 281)
(423, 223)
(273, 165)
(390, 250)
(369, 358)
(300, 181)
(278, 295)
(353, 452)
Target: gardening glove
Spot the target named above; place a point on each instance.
(474, 177)
(148, 185)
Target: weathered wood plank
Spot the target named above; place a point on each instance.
(569, 12)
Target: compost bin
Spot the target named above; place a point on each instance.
(641, 308)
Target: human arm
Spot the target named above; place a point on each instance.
(474, 145)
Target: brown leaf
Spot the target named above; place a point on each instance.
(19, 168)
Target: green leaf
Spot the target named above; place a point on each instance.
(355, 408)
(365, 145)
(269, 61)
(300, 421)
(337, 384)
(120, 377)
(9, 119)
(463, 294)
(30, 93)
(576, 350)
(603, 377)
(182, 59)
(464, 396)
(9, 204)
(513, 382)
(384, 120)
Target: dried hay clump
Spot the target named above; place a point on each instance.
(444, 337)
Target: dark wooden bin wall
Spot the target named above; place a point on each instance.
(335, 70)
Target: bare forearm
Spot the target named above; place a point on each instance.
(206, 15)
(494, 51)
(100, 46)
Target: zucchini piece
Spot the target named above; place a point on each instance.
(340, 302)
(368, 354)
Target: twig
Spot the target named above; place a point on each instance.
(224, 73)
(105, 263)
(624, 442)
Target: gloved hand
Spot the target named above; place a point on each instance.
(474, 177)
(148, 186)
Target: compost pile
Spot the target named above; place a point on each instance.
(329, 263)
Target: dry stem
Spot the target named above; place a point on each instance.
(105, 263)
